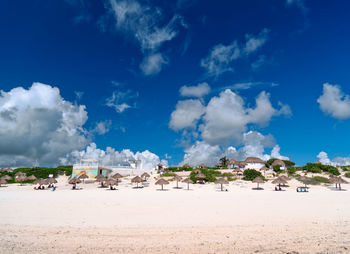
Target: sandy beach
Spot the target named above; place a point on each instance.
(201, 220)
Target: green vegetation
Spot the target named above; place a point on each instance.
(293, 170)
(345, 168)
(178, 169)
(277, 168)
(319, 179)
(224, 161)
(347, 174)
(39, 172)
(250, 174)
(169, 174)
(319, 168)
(210, 175)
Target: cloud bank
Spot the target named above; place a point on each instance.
(38, 125)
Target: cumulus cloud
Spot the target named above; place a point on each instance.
(221, 56)
(186, 114)
(37, 124)
(198, 91)
(153, 64)
(111, 157)
(122, 100)
(226, 116)
(338, 161)
(334, 102)
(254, 144)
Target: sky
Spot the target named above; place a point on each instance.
(174, 81)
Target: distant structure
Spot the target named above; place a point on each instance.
(279, 163)
(92, 168)
(254, 163)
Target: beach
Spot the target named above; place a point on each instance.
(200, 220)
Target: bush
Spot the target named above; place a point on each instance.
(169, 174)
(347, 174)
(210, 175)
(277, 168)
(345, 168)
(320, 179)
(293, 170)
(318, 168)
(250, 174)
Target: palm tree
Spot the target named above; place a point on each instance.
(224, 161)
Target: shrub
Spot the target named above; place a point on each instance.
(347, 174)
(169, 174)
(250, 174)
(277, 168)
(293, 170)
(210, 175)
(320, 179)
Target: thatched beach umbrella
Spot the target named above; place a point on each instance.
(83, 177)
(31, 178)
(20, 179)
(19, 174)
(222, 181)
(117, 176)
(177, 179)
(305, 180)
(258, 180)
(279, 181)
(101, 178)
(74, 181)
(338, 180)
(284, 177)
(40, 182)
(237, 171)
(7, 178)
(188, 181)
(111, 183)
(145, 175)
(161, 182)
(2, 181)
(136, 180)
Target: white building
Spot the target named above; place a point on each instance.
(254, 163)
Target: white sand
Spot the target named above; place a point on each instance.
(242, 220)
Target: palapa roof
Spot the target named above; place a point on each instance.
(177, 178)
(145, 175)
(221, 180)
(284, 177)
(202, 165)
(160, 165)
(186, 166)
(241, 163)
(31, 177)
(7, 178)
(318, 162)
(279, 180)
(187, 180)
(21, 178)
(264, 168)
(3, 181)
(254, 160)
(258, 179)
(162, 181)
(218, 165)
(19, 174)
(304, 179)
(337, 179)
(200, 175)
(83, 176)
(74, 180)
(117, 176)
(51, 180)
(100, 178)
(278, 162)
(111, 182)
(136, 179)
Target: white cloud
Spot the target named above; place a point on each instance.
(111, 157)
(102, 127)
(186, 114)
(37, 124)
(221, 56)
(122, 100)
(254, 144)
(333, 102)
(146, 25)
(338, 161)
(153, 64)
(198, 91)
(226, 117)
(253, 43)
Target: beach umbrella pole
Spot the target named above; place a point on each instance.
(188, 186)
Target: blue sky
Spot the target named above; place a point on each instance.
(143, 52)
